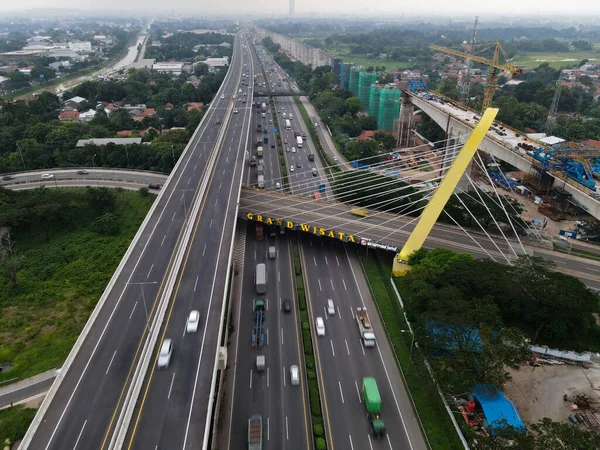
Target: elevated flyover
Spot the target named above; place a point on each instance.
(501, 143)
(389, 232)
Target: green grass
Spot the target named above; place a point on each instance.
(436, 423)
(14, 423)
(580, 253)
(59, 285)
(556, 60)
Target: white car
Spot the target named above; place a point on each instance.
(47, 176)
(222, 96)
(291, 168)
(295, 375)
(235, 111)
(164, 357)
(320, 326)
(278, 185)
(316, 124)
(192, 322)
(293, 149)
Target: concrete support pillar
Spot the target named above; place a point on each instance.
(404, 138)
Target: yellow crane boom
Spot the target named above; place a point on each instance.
(494, 63)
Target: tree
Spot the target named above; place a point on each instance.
(106, 224)
(100, 199)
(10, 258)
(385, 140)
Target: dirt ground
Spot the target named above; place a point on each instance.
(538, 391)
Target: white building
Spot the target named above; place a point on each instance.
(80, 46)
(87, 115)
(215, 63)
(174, 67)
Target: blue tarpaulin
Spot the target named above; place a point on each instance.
(497, 407)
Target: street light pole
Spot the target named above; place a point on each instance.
(412, 344)
(144, 300)
(21, 153)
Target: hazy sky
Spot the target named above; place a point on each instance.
(466, 8)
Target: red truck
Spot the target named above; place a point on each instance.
(260, 232)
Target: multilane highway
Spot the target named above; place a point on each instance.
(283, 406)
(83, 406)
(333, 272)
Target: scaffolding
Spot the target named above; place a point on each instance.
(353, 81)
(365, 80)
(345, 78)
(374, 99)
(389, 108)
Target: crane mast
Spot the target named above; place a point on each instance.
(465, 85)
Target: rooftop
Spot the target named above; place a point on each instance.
(104, 141)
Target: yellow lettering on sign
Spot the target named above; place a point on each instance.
(269, 221)
(330, 234)
(304, 227)
(259, 218)
(289, 224)
(250, 216)
(321, 231)
(350, 238)
(279, 222)
(341, 235)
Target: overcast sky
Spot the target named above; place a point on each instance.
(465, 8)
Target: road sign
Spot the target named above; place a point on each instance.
(567, 233)
(274, 130)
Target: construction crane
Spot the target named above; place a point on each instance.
(554, 106)
(494, 64)
(465, 84)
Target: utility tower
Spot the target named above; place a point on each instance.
(554, 105)
(465, 85)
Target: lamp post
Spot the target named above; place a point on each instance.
(412, 344)
(144, 300)
(21, 153)
(93, 165)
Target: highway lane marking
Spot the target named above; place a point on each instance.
(287, 431)
(216, 201)
(332, 287)
(174, 214)
(268, 430)
(250, 378)
(326, 262)
(284, 379)
(341, 393)
(389, 442)
(282, 336)
(362, 346)
(267, 377)
(189, 179)
(351, 445)
(80, 433)
(347, 348)
(110, 363)
(171, 387)
(210, 225)
(195, 167)
(203, 250)
(254, 255)
(198, 276)
(320, 288)
(332, 350)
(133, 310)
(278, 275)
(352, 311)
(150, 271)
(220, 184)
(339, 313)
(266, 304)
(357, 392)
(223, 171)
(370, 443)
(344, 283)
(163, 240)
(267, 330)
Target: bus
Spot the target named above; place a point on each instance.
(261, 278)
(299, 141)
(288, 124)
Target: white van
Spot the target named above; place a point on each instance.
(330, 307)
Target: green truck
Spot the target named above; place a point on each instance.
(373, 405)
(255, 432)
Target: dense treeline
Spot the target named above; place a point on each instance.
(473, 315)
(32, 129)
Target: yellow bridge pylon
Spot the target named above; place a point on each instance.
(435, 206)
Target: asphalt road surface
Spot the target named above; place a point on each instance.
(84, 407)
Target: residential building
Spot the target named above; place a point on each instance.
(104, 141)
(174, 67)
(87, 115)
(193, 105)
(215, 63)
(72, 103)
(69, 115)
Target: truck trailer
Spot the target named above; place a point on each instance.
(261, 278)
(255, 432)
(260, 232)
(258, 330)
(364, 327)
(373, 406)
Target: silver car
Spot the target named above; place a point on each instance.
(164, 357)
